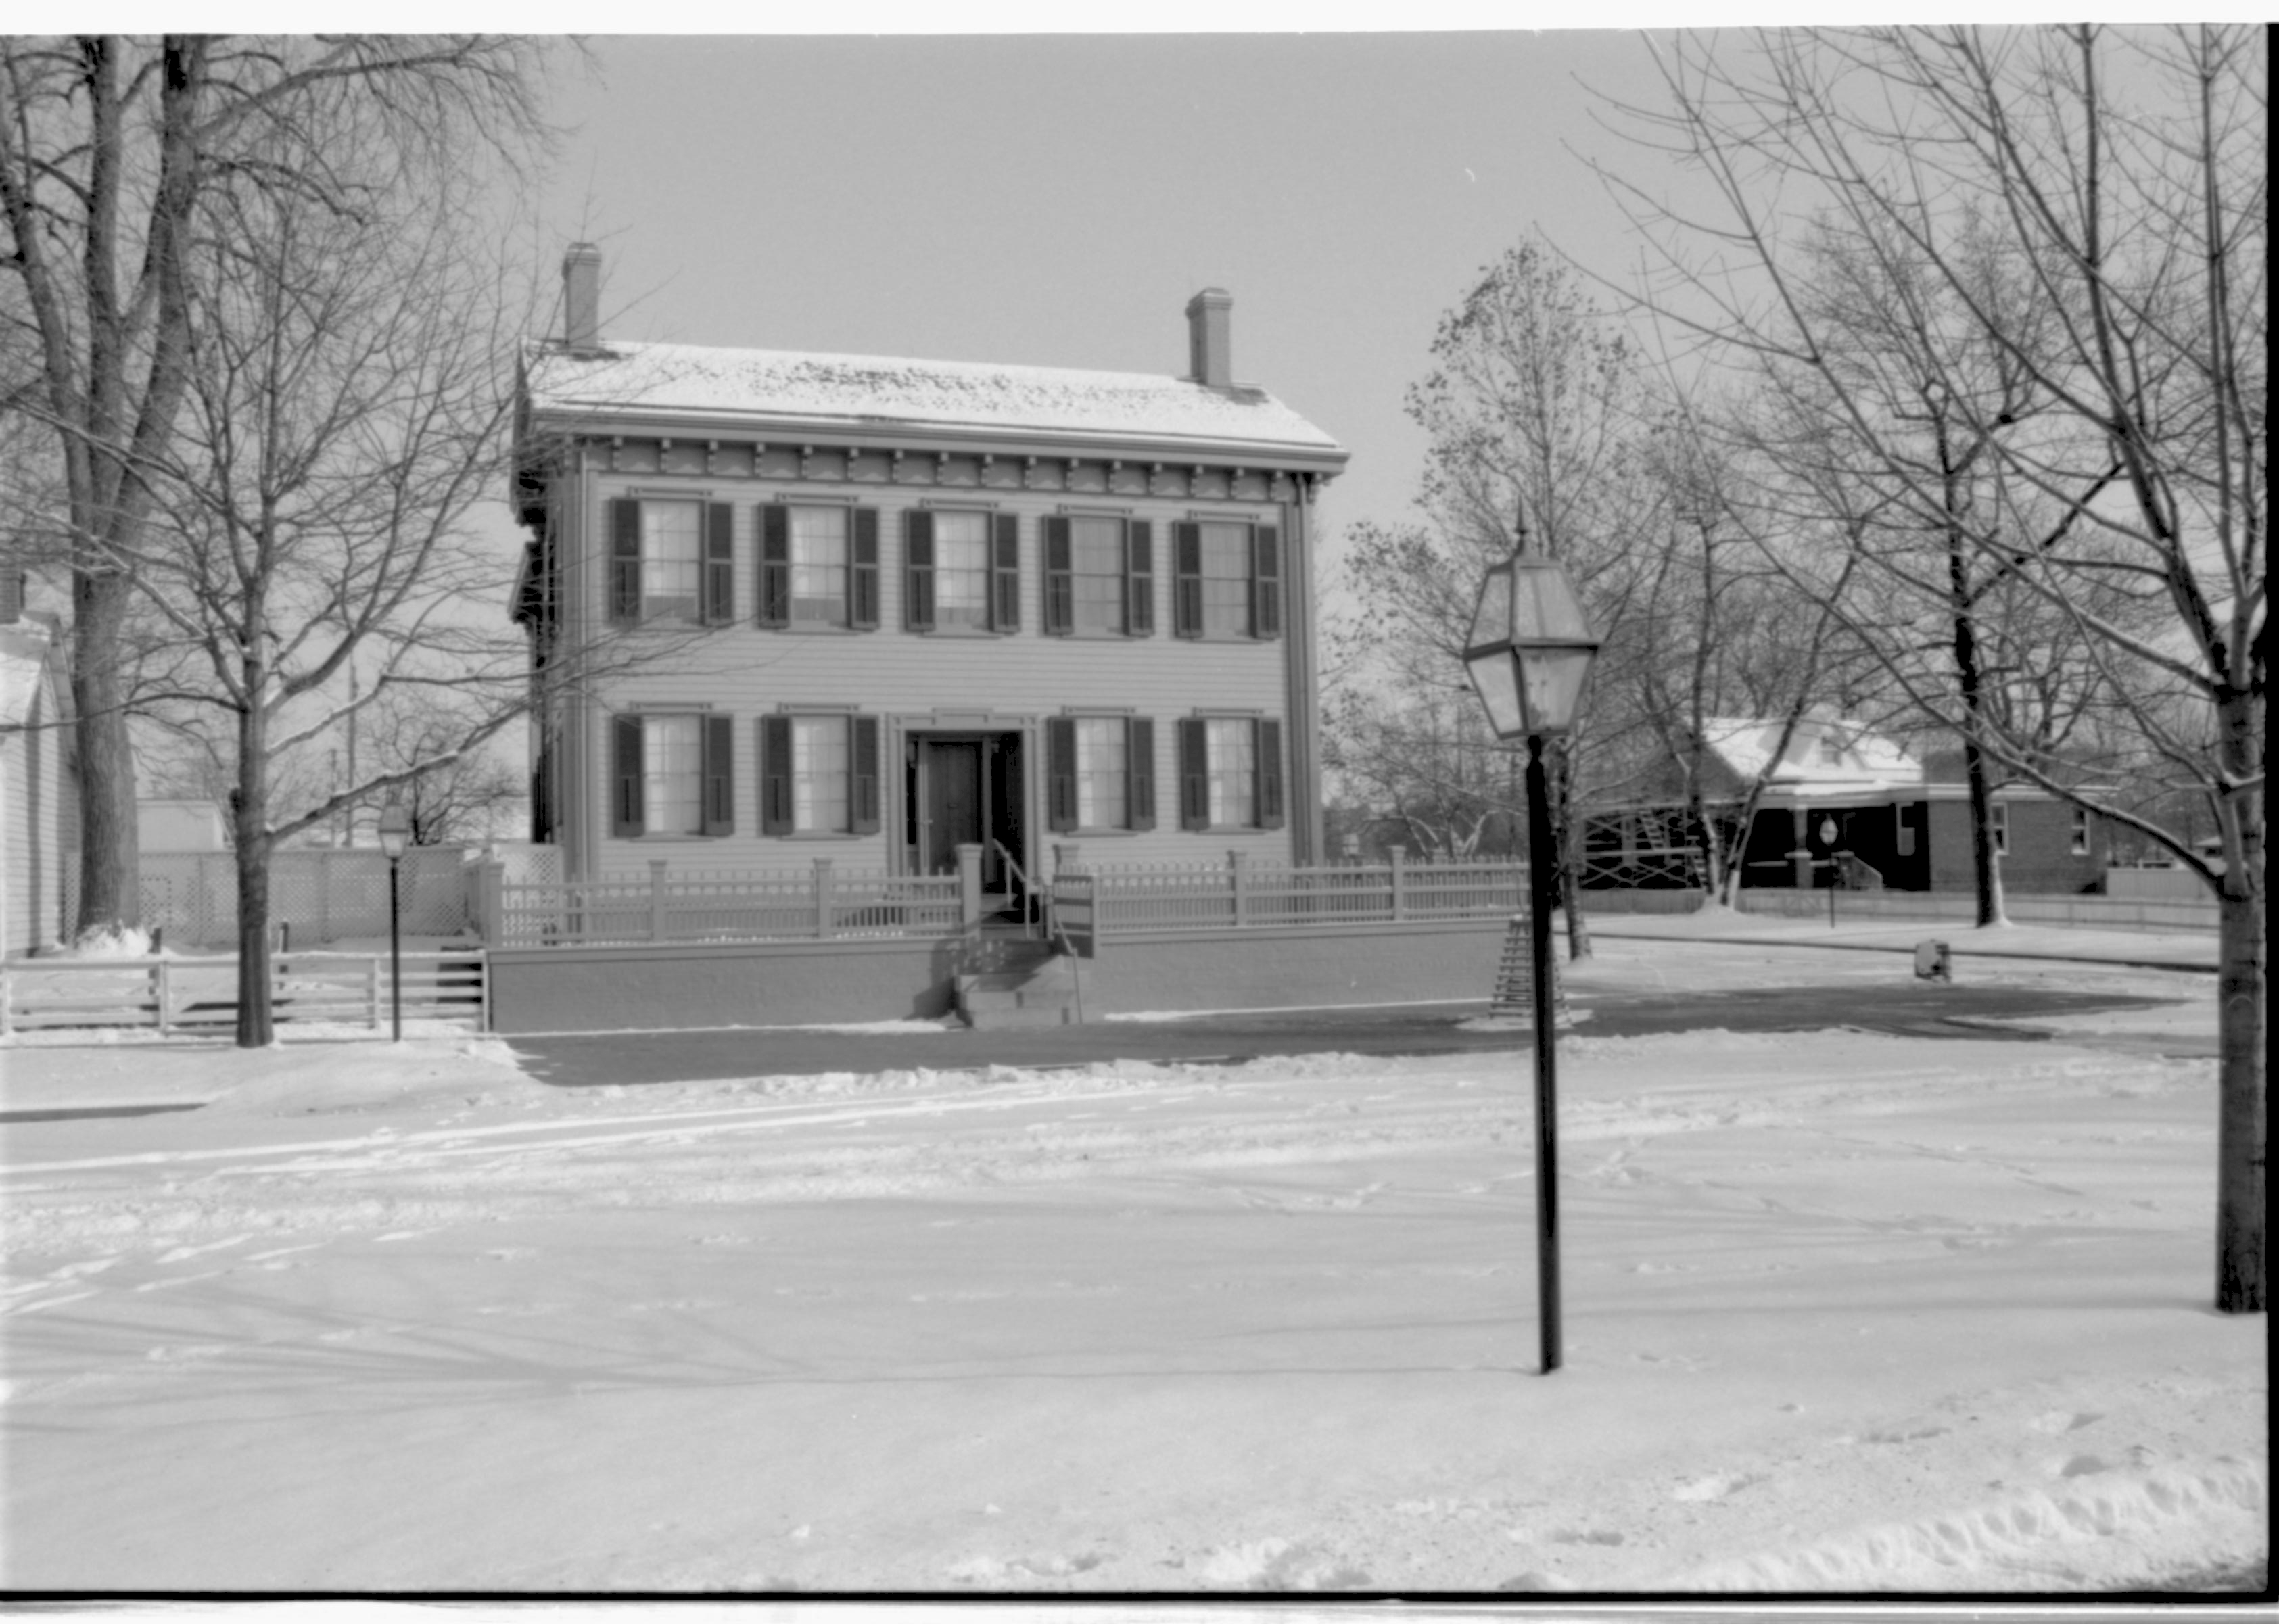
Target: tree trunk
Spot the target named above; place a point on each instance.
(255, 1026)
(1985, 870)
(2241, 986)
(1568, 831)
(2242, 967)
(110, 880)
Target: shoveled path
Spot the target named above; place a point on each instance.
(1916, 1010)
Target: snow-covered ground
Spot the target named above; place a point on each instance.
(1844, 1313)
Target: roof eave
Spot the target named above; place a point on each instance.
(922, 434)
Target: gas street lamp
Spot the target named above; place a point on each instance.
(1529, 653)
(394, 835)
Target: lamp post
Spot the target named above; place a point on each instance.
(394, 835)
(1530, 650)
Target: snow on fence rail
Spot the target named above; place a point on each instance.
(679, 906)
(1961, 907)
(194, 995)
(1241, 894)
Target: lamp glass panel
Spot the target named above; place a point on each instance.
(1555, 686)
(1497, 683)
(1492, 616)
(1545, 606)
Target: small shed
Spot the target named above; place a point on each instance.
(39, 784)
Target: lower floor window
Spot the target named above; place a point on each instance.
(1233, 771)
(1100, 773)
(818, 775)
(672, 800)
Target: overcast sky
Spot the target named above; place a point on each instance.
(1055, 200)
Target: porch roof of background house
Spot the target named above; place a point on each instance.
(760, 387)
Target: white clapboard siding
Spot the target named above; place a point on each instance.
(746, 671)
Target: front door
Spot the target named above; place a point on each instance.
(949, 770)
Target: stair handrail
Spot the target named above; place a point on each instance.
(1051, 921)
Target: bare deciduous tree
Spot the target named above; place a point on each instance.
(112, 149)
(2070, 227)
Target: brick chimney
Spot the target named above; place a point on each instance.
(1210, 359)
(581, 297)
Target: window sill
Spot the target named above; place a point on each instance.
(822, 836)
(808, 628)
(1096, 634)
(979, 633)
(668, 839)
(1087, 832)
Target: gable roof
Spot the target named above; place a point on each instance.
(763, 387)
(1865, 759)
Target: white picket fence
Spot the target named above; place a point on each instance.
(199, 995)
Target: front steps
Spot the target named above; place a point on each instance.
(1017, 983)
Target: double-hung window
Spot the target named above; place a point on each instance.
(1229, 772)
(2080, 845)
(1099, 576)
(669, 559)
(818, 566)
(962, 571)
(1100, 772)
(818, 774)
(674, 775)
(2001, 818)
(1227, 580)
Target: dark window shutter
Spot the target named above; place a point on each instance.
(719, 776)
(1186, 580)
(863, 572)
(1060, 772)
(719, 564)
(1139, 771)
(918, 564)
(862, 761)
(625, 561)
(626, 773)
(1005, 573)
(775, 565)
(1139, 579)
(775, 775)
(1195, 773)
(11, 596)
(1266, 582)
(1060, 588)
(1270, 773)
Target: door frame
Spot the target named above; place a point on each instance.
(912, 732)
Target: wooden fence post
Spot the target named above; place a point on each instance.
(1395, 856)
(161, 992)
(656, 928)
(1238, 872)
(823, 921)
(490, 901)
(372, 989)
(969, 885)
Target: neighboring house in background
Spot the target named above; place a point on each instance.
(39, 778)
(1842, 786)
(179, 825)
(901, 606)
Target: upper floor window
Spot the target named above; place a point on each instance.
(818, 566)
(1228, 579)
(1099, 575)
(961, 569)
(669, 560)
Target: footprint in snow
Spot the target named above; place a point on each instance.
(1715, 1486)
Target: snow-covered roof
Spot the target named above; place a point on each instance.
(759, 387)
(1854, 755)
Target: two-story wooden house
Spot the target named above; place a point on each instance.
(791, 606)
